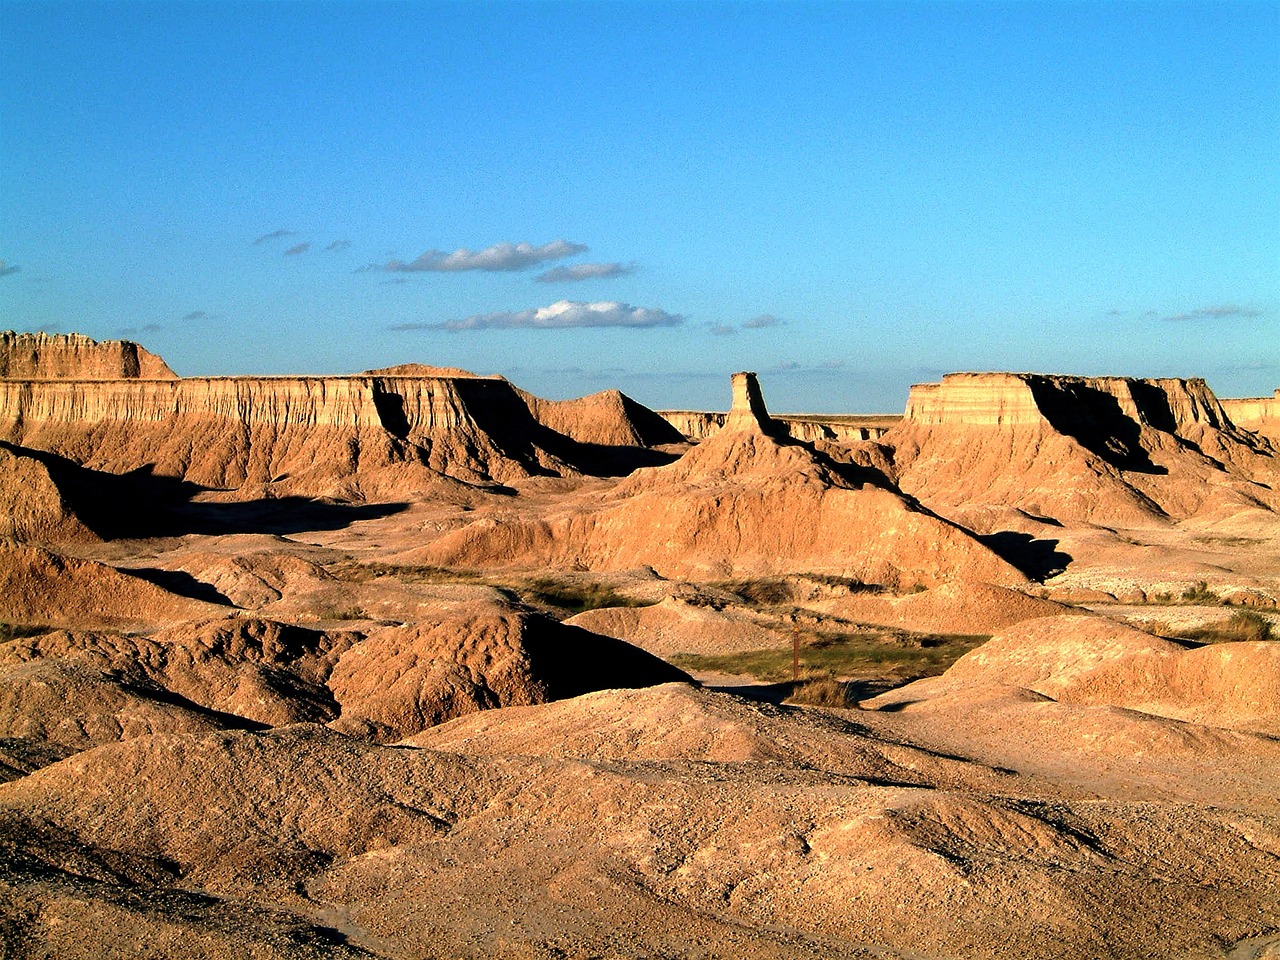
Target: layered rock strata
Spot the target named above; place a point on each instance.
(744, 502)
(45, 356)
(1259, 414)
(809, 427)
(325, 435)
(1107, 450)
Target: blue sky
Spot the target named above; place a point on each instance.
(844, 197)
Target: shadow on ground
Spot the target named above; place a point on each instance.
(141, 504)
(1038, 559)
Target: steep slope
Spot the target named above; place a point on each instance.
(73, 356)
(33, 508)
(347, 436)
(984, 448)
(41, 587)
(404, 679)
(744, 502)
(1259, 414)
(1095, 661)
(608, 418)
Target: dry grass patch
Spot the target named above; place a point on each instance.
(861, 655)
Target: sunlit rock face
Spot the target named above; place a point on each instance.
(45, 356)
(1109, 450)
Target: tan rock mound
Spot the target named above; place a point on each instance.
(506, 856)
(678, 722)
(40, 587)
(675, 625)
(65, 703)
(20, 756)
(961, 607)
(1092, 660)
(199, 802)
(424, 370)
(608, 418)
(33, 509)
(254, 579)
(80, 689)
(73, 356)
(741, 503)
(1106, 450)
(403, 679)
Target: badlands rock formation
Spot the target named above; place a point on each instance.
(363, 437)
(1108, 450)
(698, 425)
(746, 501)
(45, 356)
(1259, 414)
(287, 669)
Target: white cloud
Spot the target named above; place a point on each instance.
(501, 256)
(584, 271)
(564, 314)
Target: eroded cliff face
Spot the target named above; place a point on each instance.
(746, 501)
(1109, 450)
(609, 418)
(45, 356)
(1259, 414)
(810, 428)
(309, 435)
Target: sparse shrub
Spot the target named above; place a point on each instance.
(341, 613)
(764, 592)
(1241, 626)
(821, 692)
(1246, 625)
(1199, 593)
(578, 597)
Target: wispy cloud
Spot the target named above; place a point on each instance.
(565, 314)
(499, 257)
(6, 269)
(273, 235)
(145, 328)
(337, 245)
(1224, 312)
(795, 367)
(297, 249)
(755, 323)
(585, 271)
(194, 315)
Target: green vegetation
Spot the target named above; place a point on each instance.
(357, 571)
(862, 655)
(1199, 593)
(571, 597)
(1242, 625)
(777, 591)
(822, 692)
